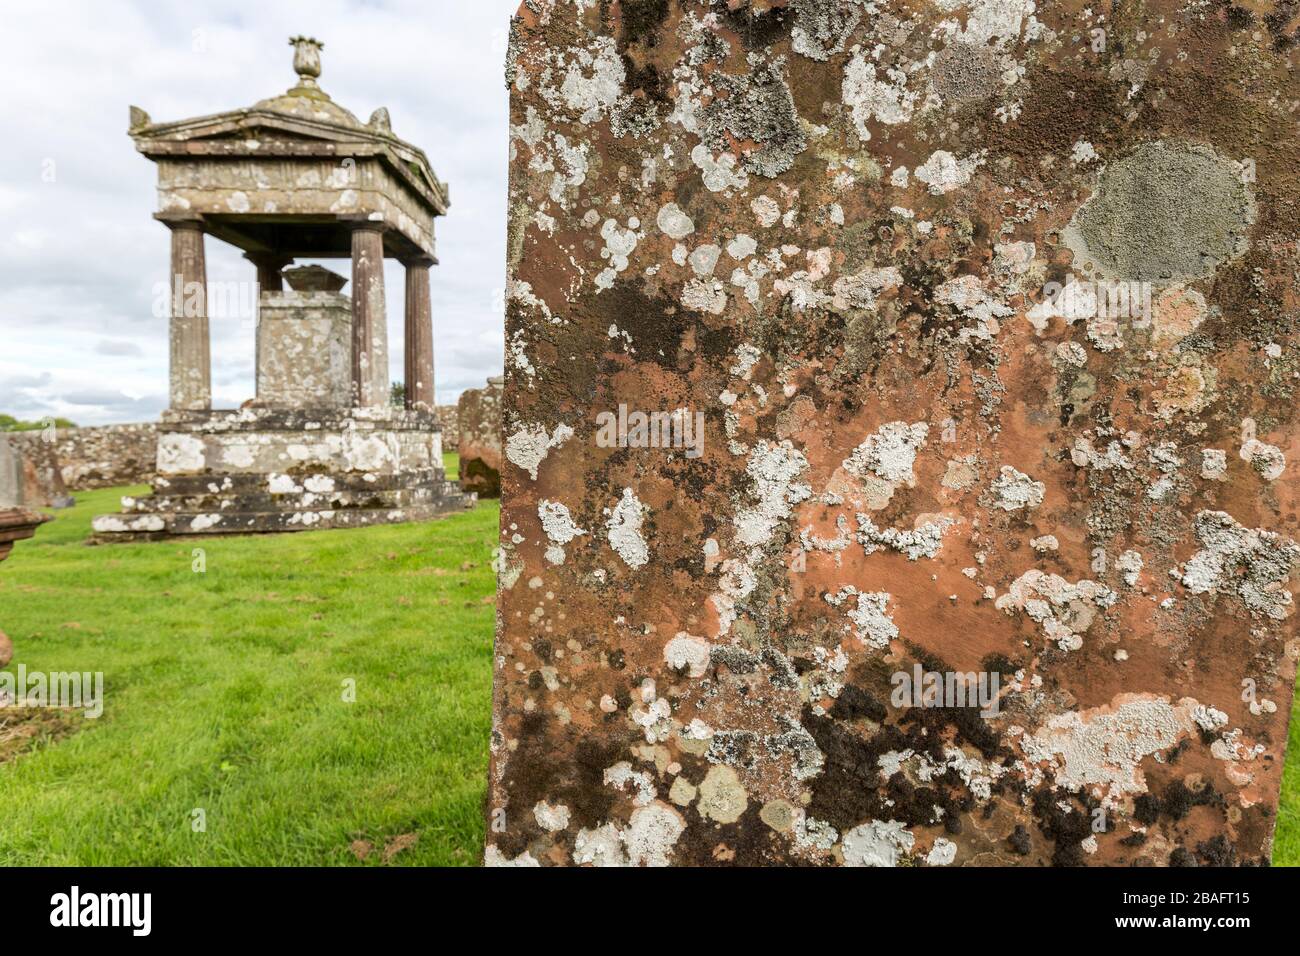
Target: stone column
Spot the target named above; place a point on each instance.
(191, 363)
(419, 335)
(369, 318)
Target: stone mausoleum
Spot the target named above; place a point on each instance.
(295, 177)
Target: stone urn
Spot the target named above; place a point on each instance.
(15, 525)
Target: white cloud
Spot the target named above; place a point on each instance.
(79, 251)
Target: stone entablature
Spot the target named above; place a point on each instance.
(351, 183)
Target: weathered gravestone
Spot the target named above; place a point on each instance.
(30, 475)
(900, 425)
(478, 414)
(16, 524)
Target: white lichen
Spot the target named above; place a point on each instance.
(624, 530)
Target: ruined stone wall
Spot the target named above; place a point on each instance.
(853, 347)
(450, 422)
(106, 456)
(478, 417)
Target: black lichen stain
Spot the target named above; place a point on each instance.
(747, 842)
(757, 30)
(1020, 840)
(639, 26)
(656, 324)
(854, 702)
(538, 770)
(1063, 109)
(1066, 828)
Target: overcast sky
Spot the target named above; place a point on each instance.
(79, 250)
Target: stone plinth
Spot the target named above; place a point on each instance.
(260, 470)
(18, 524)
(304, 349)
(478, 416)
(900, 434)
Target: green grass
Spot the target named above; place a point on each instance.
(224, 692)
(1286, 842)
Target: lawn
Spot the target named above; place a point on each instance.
(225, 693)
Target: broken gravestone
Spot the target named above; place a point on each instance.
(900, 424)
(16, 524)
(30, 473)
(478, 417)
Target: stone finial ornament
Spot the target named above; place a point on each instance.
(381, 121)
(306, 59)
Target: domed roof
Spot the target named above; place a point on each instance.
(307, 100)
(309, 104)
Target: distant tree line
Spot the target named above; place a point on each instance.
(10, 424)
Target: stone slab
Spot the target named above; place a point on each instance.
(988, 313)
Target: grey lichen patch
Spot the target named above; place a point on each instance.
(877, 843)
(624, 530)
(1063, 610)
(1253, 564)
(822, 27)
(924, 541)
(758, 108)
(871, 621)
(1165, 212)
(796, 741)
(722, 798)
(890, 452)
(964, 72)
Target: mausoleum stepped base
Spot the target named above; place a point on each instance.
(271, 470)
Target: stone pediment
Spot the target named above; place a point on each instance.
(319, 128)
